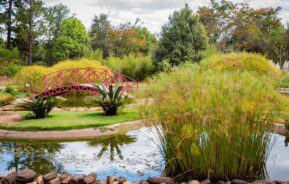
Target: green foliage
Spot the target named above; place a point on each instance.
(238, 27)
(9, 62)
(11, 69)
(39, 107)
(72, 42)
(213, 119)
(135, 67)
(11, 90)
(285, 80)
(31, 73)
(182, 39)
(110, 100)
(240, 62)
(6, 100)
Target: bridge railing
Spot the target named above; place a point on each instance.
(52, 83)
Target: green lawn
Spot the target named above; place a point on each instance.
(3, 93)
(66, 120)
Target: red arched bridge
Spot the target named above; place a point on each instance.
(79, 79)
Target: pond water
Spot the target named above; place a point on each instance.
(134, 155)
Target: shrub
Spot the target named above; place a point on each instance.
(110, 100)
(82, 63)
(255, 63)
(11, 69)
(135, 67)
(285, 80)
(12, 91)
(214, 123)
(31, 73)
(6, 100)
(9, 62)
(39, 107)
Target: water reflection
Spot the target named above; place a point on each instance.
(31, 155)
(133, 155)
(112, 145)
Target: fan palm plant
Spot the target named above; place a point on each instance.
(39, 107)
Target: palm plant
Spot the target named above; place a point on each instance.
(110, 98)
(112, 144)
(39, 107)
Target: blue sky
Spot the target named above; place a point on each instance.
(153, 13)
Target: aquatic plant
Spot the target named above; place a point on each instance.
(214, 123)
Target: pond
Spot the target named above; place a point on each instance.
(134, 155)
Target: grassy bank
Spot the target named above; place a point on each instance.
(67, 120)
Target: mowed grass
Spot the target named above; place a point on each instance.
(67, 120)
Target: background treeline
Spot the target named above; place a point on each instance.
(35, 34)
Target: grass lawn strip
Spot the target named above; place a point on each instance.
(67, 120)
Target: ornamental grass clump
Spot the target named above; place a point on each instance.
(214, 123)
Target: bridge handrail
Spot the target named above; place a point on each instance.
(67, 69)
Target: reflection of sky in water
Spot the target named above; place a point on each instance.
(141, 158)
(278, 161)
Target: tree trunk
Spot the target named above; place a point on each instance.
(30, 46)
(9, 25)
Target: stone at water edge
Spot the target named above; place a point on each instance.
(10, 178)
(121, 179)
(110, 179)
(54, 181)
(263, 182)
(100, 182)
(33, 182)
(90, 178)
(78, 179)
(39, 180)
(194, 182)
(144, 182)
(207, 181)
(135, 182)
(237, 181)
(65, 178)
(49, 176)
(126, 182)
(221, 182)
(26, 176)
(159, 180)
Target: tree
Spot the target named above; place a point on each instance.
(182, 39)
(239, 27)
(6, 18)
(99, 34)
(72, 42)
(29, 27)
(54, 16)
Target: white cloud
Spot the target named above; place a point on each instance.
(153, 13)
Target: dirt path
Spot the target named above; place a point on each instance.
(88, 133)
(9, 118)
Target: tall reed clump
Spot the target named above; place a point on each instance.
(135, 67)
(214, 123)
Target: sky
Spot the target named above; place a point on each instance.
(153, 13)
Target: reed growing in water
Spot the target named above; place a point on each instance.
(213, 123)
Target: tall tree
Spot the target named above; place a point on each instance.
(6, 19)
(29, 27)
(55, 15)
(72, 42)
(239, 27)
(183, 38)
(99, 34)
